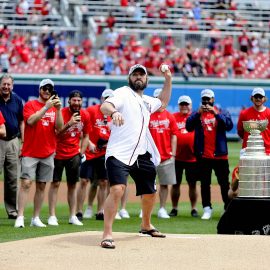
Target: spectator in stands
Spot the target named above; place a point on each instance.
(3, 132)
(4, 62)
(150, 10)
(24, 53)
(227, 43)
(42, 119)
(221, 4)
(62, 46)
(196, 10)
(109, 64)
(155, 42)
(264, 43)
(5, 32)
(22, 7)
(254, 45)
(137, 16)
(70, 149)
(239, 64)
(184, 158)
(93, 169)
(50, 43)
(163, 129)
(11, 106)
(250, 63)
(210, 125)
(163, 13)
(87, 46)
(244, 42)
(46, 8)
(258, 111)
(75, 54)
(110, 20)
(34, 41)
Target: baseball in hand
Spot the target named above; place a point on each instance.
(164, 68)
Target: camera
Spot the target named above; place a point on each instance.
(101, 143)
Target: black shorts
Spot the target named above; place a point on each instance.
(72, 167)
(94, 169)
(191, 171)
(143, 172)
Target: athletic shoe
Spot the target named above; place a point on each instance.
(207, 213)
(36, 222)
(75, 221)
(52, 220)
(140, 215)
(194, 213)
(88, 213)
(117, 216)
(100, 216)
(173, 213)
(19, 223)
(79, 215)
(162, 213)
(124, 213)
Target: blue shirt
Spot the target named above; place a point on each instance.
(12, 110)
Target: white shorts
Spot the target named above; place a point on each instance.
(166, 172)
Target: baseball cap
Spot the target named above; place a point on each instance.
(186, 99)
(46, 81)
(135, 67)
(258, 91)
(75, 93)
(107, 93)
(207, 93)
(157, 92)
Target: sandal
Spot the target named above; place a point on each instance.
(153, 233)
(107, 243)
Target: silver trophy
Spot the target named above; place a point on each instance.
(254, 165)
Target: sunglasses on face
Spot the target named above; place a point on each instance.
(258, 97)
(47, 88)
(183, 104)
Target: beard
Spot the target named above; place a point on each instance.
(138, 85)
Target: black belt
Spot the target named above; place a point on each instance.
(9, 138)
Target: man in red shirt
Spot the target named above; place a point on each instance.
(42, 119)
(210, 124)
(258, 111)
(163, 129)
(185, 158)
(69, 151)
(94, 166)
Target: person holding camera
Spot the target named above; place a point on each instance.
(69, 155)
(210, 124)
(42, 119)
(93, 169)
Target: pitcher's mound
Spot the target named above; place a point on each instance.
(81, 251)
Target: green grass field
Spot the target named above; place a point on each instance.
(182, 224)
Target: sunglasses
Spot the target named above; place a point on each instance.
(47, 88)
(183, 104)
(258, 97)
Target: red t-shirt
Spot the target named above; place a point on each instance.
(99, 130)
(252, 114)
(209, 123)
(162, 126)
(39, 139)
(68, 143)
(185, 139)
(2, 119)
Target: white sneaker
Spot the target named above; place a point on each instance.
(124, 213)
(117, 216)
(52, 220)
(88, 213)
(162, 213)
(36, 222)
(140, 215)
(207, 212)
(74, 221)
(19, 223)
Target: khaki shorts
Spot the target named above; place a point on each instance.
(39, 169)
(166, 172)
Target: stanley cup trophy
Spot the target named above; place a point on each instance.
(254, 166)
